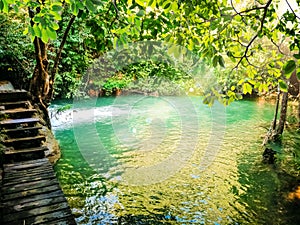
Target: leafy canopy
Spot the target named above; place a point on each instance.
(253, 44)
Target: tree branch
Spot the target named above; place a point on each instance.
(265, 8)
(58, 54)
(277, 46)
(246, 51)
(291, 8)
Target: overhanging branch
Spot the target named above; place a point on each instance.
(291, 8)
(262, 21)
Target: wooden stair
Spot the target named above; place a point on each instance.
(14, 95)
(24, 142)
(29, 191)
(27, 153)
(18, 122)
(22, 132)
(19, 127)
(17, 104)
(17, 113)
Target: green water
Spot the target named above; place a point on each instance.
(166, 160)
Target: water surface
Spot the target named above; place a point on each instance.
(166, 160)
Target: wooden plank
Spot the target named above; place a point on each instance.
(19, 121)
(63, 207)
(67, 220)
(24, 187)
(18, 207)
(14, 104)
(17, 110)
(54, 216)
(25, 167)
(15, 174)
(21, 129)
(30, 162)
(23, 139)
(10, 197)
(25, 174)
(28, 173)
(64, 221)
(41, 148)
(38, 197)
(51, 217)
(26, 179)
(14, 95)
(27, 150)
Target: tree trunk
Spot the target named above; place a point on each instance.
(298, 110)
(39, 86)
(42, 82)
(276, 112)
(283, 111)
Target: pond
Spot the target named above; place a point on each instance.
(166, 160)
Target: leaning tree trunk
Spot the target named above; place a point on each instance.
(283, 111)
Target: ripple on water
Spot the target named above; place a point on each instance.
(234, 188)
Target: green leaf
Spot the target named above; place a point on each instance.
(297, 56)
(152, 3)
(215, 60)
(239, 96)
(80, 5)
(141, 13)
(51, 33)
(54, 26)
(37, 31)
(1, 6)
(247, 88)
(31, 31)
(37, 19)
(56, 8)
(298, 74)
(44, 36)
(57, 16)
(25, 31)
(141, 2)
(5, 6)
(283, 86)
(75, 9)
(16, 8)
(289, 67)
(221, 61)
(167, 5)
(90, 6)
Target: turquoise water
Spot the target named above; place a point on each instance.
(166, 160)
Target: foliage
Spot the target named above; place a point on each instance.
(75, 59)
(16, 51)
(114, 83)
(249, 38)
(246, 41)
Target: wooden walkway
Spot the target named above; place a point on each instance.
(30, 192)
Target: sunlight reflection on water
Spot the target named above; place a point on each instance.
(234, 189)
